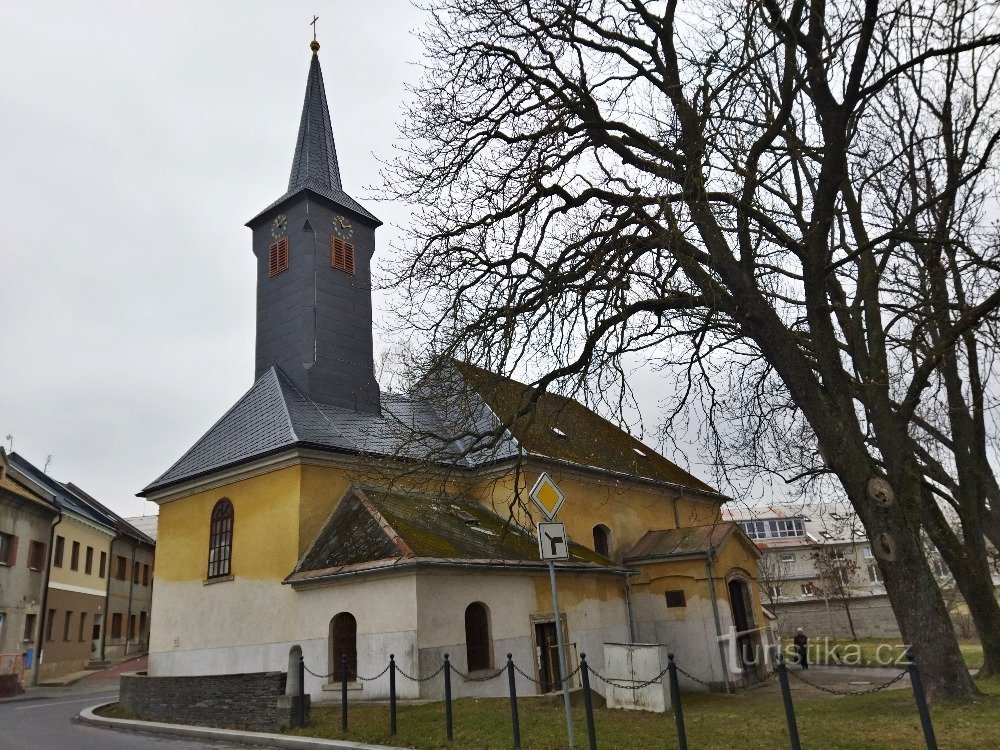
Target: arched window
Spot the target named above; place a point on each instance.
(220, 541)
(344, 640)
(602, 540)
(477, 637)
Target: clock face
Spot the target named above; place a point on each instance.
(342, 227)
(278, 226)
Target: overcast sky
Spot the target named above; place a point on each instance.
(136, 139)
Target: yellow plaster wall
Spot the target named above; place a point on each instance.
(74, 531)
(265, 529)
(628, 511)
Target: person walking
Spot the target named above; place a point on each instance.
(801, 641)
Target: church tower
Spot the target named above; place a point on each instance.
(314, 247)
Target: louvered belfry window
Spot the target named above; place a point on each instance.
(342, 255)
(220, 542)
(277, 257)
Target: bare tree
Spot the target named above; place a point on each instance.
(602, 178)
(772, 574)
(837, 580)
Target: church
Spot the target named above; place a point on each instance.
(324, 516)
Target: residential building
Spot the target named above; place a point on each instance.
(324, 516)
(818, 571)
(27, 515)
(72, 616)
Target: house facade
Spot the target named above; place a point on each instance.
(26, 520)
(818, 571)
(378, 523)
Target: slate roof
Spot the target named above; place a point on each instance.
(146, 524)
(375, 528)
(314, 165)
(688, 541)
(65, 498)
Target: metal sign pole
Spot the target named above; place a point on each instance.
(563, 673)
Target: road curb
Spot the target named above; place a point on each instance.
(88, 717)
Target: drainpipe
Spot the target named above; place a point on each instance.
(107, 594)
(131, 586)
(628, 605)
(718, 623)
(43, 615)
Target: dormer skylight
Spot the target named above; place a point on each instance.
(640, 452)
(559, 432)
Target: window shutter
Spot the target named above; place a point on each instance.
(277, 257)
(342, 255)
(12, 551)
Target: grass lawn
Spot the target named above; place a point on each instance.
(883, 720)
(873, 652)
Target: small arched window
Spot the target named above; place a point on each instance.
(220, 540)
(477, 637)
(602, 540)
(344, 640)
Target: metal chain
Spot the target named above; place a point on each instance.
(524, 674)
(696, 679)
(635, 686)
(321, 676)
(372, 679)
(464, 676)
(825, 689)
(527, 676)
(419, 679)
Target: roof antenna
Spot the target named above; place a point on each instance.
(48, 460)
(10, 439)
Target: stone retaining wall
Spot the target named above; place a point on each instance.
(255, 701)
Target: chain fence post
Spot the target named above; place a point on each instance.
(392, 695)
(447, 699)
(513, 702)
(921, 699)
(786, 697)
(343, 691)
(302, 690)
(675, 700)
(588, 702)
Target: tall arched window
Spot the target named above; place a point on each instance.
(477, 637)
(602, 540)
(220, 540)
(344, 640)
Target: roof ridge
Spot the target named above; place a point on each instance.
(384, 525)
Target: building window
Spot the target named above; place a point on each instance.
(785, 527)
(121, 568)
(145, 574)
(131, 627)
(754, 529)
(142, 624)
(344, 640)
(88, 562)
(808, 589)
(36, 555)
(787, 557)
(775, 592)
(342, 255)
(220, 541)
(29, 627)
(96, 634)
(116, 625)
(74, 559)
(477, 637)
(8, 549)
(874, 574)
(135, 572)
(602, 540)
(58, 557)
(69, 616)
(103, 566)
(48, 624)
(277, 257)
(83, 625)
(675, 599)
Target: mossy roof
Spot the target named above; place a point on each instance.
(378, 525)
(564, 429)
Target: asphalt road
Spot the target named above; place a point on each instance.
(44, 721)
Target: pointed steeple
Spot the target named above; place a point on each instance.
(315, 161)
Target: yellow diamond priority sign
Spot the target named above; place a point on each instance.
(547, 496)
